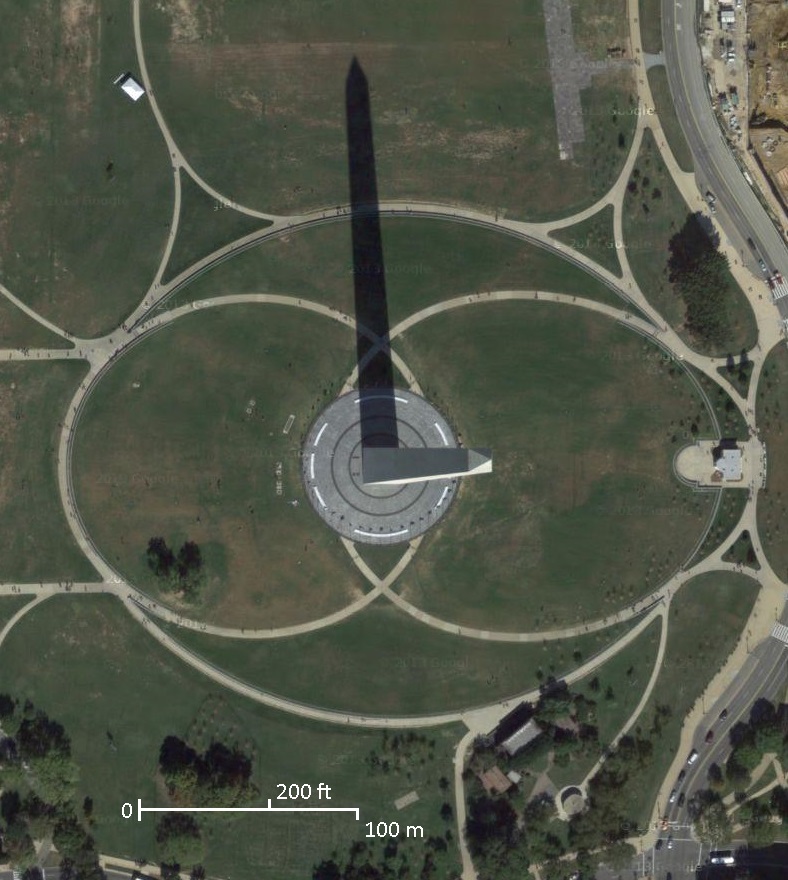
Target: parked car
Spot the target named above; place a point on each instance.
(658, 844)
(682, 774)
(693, 757)
(709, 736)
(763, 267)
(672, 797)
(682, 798)
(723, 714)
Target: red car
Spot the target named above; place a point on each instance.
(709, 736)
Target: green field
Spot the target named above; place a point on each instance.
(594, 238)
(461, 102)
(98, 672)
(37, 542)
(204, 226)
(580, 414)
(772, 406)
(627, 674)
(9, 605)
(17, 330)
(598, 26)
(382, 662)
(729, 416)
(706, 618)
(193, 454)
(741, 551)
(658, 83)
(651, 25)
(729, 513)
(84, 173)
(650, 221)
(424, 262)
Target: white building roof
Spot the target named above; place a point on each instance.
(130, 86)
(729, 464)
(521, 737)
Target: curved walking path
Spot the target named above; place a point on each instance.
(101, 352)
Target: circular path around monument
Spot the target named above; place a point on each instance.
(331, 467)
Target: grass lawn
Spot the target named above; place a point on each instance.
(9, 605)
(17, 330)
(599, 26)
(129, 686)
(580, 414)
(84, 174)
(738, 376)
(740, 552)
(381, 558)
(204, 226)
(193, 453)
(461, 101)
(651, 25)
(658, 82)
(595, 238)
(706, 618)
(731, 509)
(729, 416)
(650, 221)
(37, 542)
(381, 661)
(425, 261)
(628, 674)
(772, 406)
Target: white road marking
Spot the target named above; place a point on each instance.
(320, 433)
(312, 466)
(443, 436)
(319, 496)
(380, 534)
(780, 632)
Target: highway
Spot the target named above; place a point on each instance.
(739, 210)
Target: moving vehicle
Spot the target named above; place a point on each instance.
(723, 714)
(722, 857)
(693, 757)
(711, 200)
(670, 842)
(763, 267)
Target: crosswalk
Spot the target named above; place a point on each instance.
(780, 632)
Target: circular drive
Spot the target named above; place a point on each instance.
(331, 466)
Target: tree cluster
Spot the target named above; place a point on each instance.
(35, 756)
(219, 777)
(751, 740)
(698, 273)
(400, 752)
(178, 843)
(184, 573)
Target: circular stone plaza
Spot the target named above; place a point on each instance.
(333, 472)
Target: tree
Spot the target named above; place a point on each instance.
(178, 840)
(446, 812)
(698, 273)
(713, 825)
(161, 559)
(54, 777)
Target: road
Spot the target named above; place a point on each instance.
(739, 210)
(763, 674)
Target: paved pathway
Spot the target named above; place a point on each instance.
(101, 352)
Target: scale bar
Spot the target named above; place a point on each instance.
(268, 809)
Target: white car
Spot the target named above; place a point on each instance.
(672, 797)
(693, 757)
(670, 842)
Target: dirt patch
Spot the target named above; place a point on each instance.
(80, 25)
(768, 23)
(190, 21)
